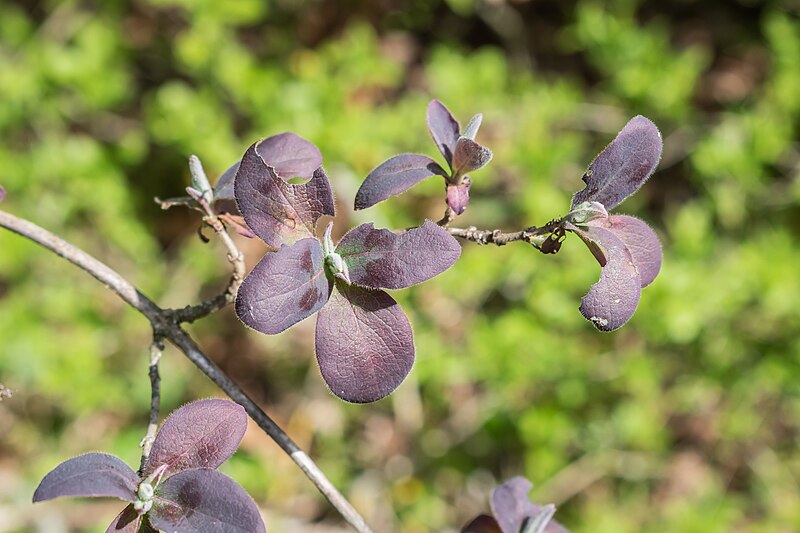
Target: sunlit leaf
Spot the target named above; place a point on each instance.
(379, 258)
(623, 166)
(612, 300)
(458, 195)
(199, 434)
(129, 521)
(473, 126)
(444, 129)
(395, 176)
(364, 344)
(203, 500)
(512, 509)
(290, 155)
(469, 156)
(280, 213)
(285, 287)
(91, 474)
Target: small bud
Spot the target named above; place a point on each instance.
(586, 212)
(472, 127)
(199, 179)
(338, 267)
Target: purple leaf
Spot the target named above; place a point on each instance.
(199, 434)
(395, 176)
(91, 474)
(364, 344)
(482, 524)
(203, 500)
(642, 243)
(512, 508)
(291, 156)
(473, 126)
(458, 195)
(623, 166)
(469, 156)
(284, 288)
(612, 300)
(129, 521)
(280, 213)
(379, 258)
(444, 129)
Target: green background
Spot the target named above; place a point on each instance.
(686, 419)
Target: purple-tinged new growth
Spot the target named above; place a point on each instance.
(277, 212)
(289, 155)
(623, 166)
(403, 171)
(626, 248)
(515, 513)
(179, 490)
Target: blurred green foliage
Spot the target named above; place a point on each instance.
(687, 419)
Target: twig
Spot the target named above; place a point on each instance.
(190, 313)
(163, 325)
(448, 217)
(547, 239)
(156, 349)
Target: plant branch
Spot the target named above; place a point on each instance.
(164, 325)
(156, 350)
(547, 239)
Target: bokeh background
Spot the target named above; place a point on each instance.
(687, 419)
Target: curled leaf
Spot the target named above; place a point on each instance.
(288, 154)
(513, 510)
(203, 500)
(90, 474)
(364, 344)
(280, 213)
(379, 258)
(458, 195)
(612, 300)
(469, 156)
(284, 288)
(395, 176)
(623, 166)
(444, 129)
(199, 434)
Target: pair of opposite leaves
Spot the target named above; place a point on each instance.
(364, 343)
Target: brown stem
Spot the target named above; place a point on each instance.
(547, 239)
(156, 349)
(165, 326)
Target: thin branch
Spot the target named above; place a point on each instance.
(163, 325)
(547, 239)
(156, 350)
(448, 217)
(190, 313)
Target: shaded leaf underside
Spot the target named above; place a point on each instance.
(364, 344)
(285, 287)
(511, 506)
(129, 521)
